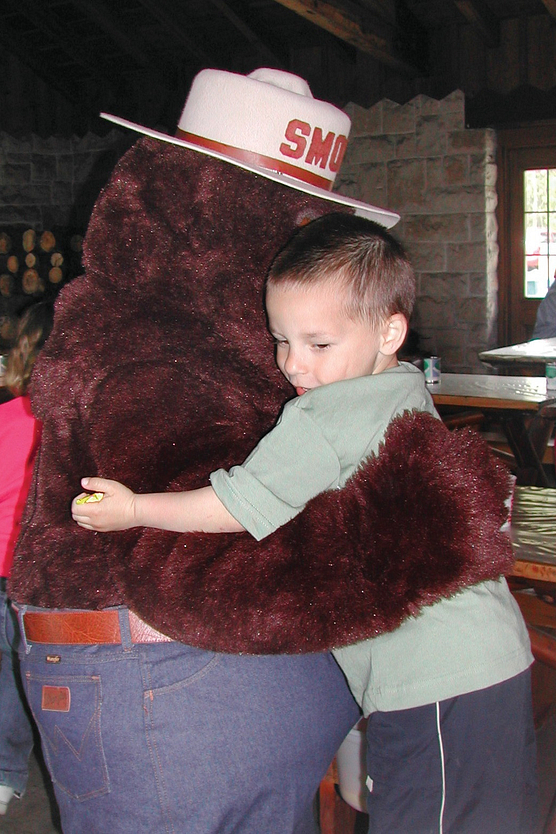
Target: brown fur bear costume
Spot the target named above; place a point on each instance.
(159, 370)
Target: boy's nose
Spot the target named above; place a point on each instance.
(293, 363)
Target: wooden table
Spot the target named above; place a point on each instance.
(536, 353)
(518, 403)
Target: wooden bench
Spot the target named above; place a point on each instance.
(533, 584)
(335, 815)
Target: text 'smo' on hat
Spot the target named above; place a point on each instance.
(267, 122)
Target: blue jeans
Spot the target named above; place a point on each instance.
(16, 731)
(156, 738)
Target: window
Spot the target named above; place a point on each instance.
(539, 190)
(526, 216)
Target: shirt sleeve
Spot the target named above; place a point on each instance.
(545, 324)
(291, 464)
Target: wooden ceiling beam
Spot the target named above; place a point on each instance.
(167, 19)
(353, 25)
(550, 6)
(103, 16)
(266, 54)
(16, 45)
(62, 37)
(484, 21)
(385, 9)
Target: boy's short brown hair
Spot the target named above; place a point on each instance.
(358, 253)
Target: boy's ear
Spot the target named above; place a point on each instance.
(394, 333)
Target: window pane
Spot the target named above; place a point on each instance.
(535, 231)
(552, 190)
(539, 223)
(536, 190)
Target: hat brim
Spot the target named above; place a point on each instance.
(379, 215)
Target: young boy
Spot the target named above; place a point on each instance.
(450, 733)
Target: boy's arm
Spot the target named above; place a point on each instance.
(197, 510)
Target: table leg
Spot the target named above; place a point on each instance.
(525, 443)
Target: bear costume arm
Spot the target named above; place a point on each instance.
(418, 522)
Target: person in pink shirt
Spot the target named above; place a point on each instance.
(19, 440)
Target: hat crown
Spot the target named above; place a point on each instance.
(268, 118)
(282, 79)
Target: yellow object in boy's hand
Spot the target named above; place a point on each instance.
(93, 497)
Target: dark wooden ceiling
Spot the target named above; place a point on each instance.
(62, 61)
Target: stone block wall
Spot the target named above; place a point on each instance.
(419, 160)
(54, 182)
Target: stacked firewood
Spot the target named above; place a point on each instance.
(35, 260)
(34, 265)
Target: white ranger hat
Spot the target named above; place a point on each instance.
(267, 122)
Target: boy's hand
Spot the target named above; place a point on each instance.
(114, 511)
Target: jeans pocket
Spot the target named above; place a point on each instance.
(67, 709)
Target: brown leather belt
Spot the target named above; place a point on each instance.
(86, 627)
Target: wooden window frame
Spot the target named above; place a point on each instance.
(537, 145)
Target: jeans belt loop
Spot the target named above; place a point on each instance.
(20, 611)
(125, 632)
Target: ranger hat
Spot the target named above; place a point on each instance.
(267, 122)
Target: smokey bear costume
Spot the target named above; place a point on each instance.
(160, 370)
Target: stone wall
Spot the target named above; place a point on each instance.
(54, 182)
(419, 160)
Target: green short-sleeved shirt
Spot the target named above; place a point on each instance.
(471, 641)
(318, 442)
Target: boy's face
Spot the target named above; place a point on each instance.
(316, 342)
